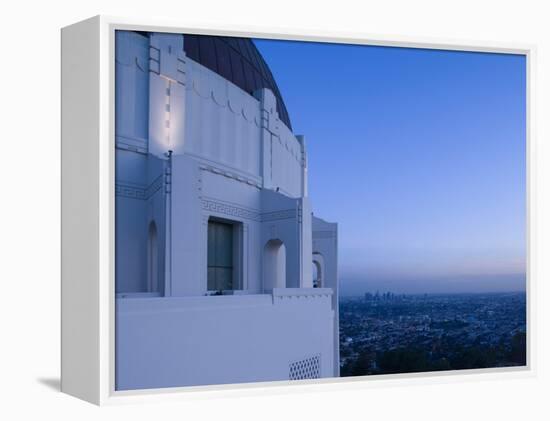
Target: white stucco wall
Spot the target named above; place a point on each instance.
(132, 90)
(222, 122)
(214, 340)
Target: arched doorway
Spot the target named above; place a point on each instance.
(274, 265)
(153, 259)
(318, 270)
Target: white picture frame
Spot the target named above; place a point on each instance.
(88, 294)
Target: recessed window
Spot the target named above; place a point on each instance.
(223, 255)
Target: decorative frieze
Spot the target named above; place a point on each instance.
(230, 210)
(129, 191)
(137, 192)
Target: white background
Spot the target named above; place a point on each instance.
(29, 166)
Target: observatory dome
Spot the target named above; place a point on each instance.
(237, 60)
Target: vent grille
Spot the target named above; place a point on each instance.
(308, 368)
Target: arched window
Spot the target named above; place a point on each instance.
(274, 265)
(153, 259)
(318, 270)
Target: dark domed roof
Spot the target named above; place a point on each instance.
(237, 60)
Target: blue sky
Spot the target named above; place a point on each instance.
(419, 155)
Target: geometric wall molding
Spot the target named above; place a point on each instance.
(138, 192)
(236, 211)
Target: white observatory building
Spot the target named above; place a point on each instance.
(223, 274)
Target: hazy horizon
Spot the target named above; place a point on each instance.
(488, 284)
(419, 156)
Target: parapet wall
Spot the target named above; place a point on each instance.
(189, 341)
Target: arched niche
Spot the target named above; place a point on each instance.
(274, 265)
(318, 270)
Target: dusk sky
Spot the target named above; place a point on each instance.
(419, 155)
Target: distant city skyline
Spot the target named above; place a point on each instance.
(419, 155)
(451, 285)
